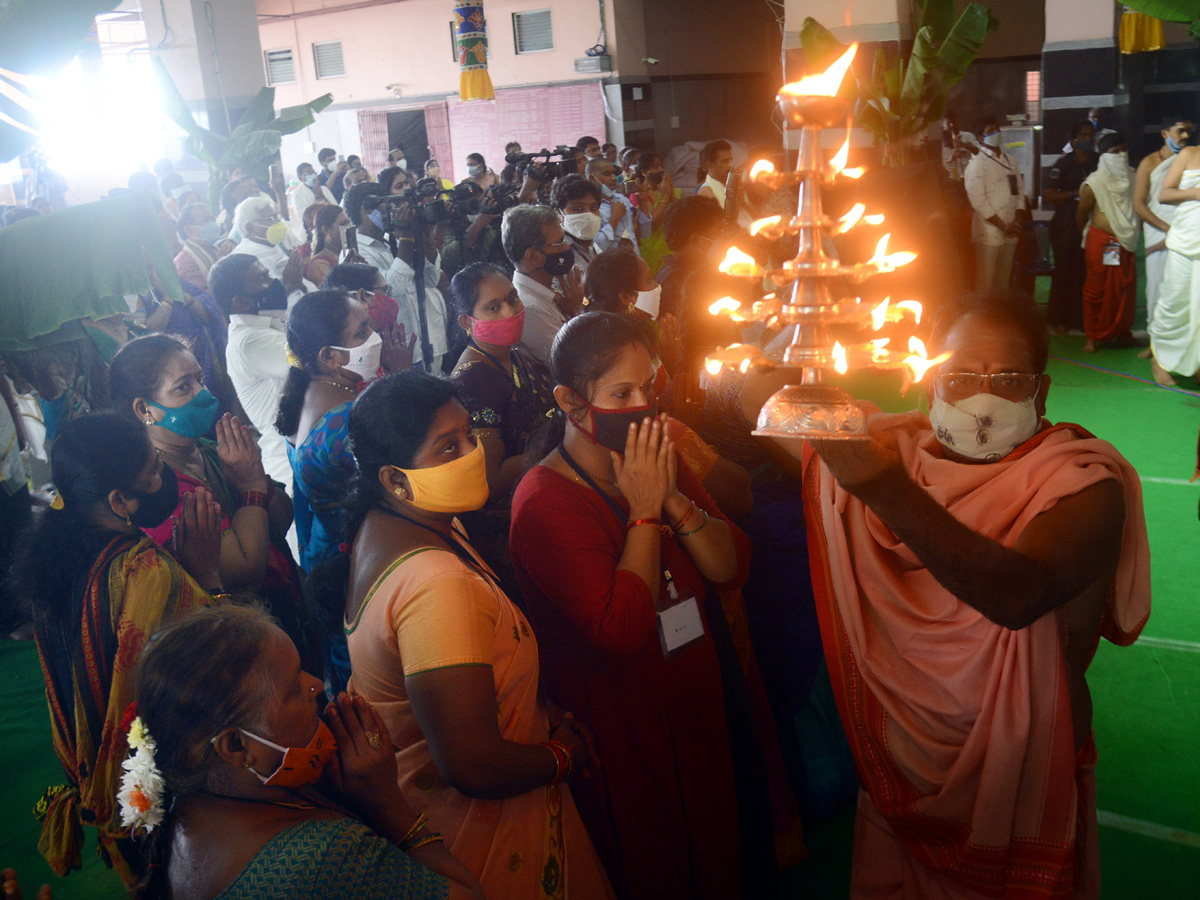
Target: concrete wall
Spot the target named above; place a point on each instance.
(408, 44)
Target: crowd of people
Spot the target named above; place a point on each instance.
(414, 555)
(1101, 204)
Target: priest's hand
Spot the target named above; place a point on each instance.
(863, 467)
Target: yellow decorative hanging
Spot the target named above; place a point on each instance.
(1140, 33)
(470, 35)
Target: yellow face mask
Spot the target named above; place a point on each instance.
(454, 487)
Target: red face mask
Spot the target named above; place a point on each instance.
(499, 332)
(300, 765)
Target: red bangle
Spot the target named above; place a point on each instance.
(687, 515)
(656, 522)
(562, 759)
(254, 498)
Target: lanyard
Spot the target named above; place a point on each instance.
(516, 376)
(615, 507)
(587, 479)
(455, 547)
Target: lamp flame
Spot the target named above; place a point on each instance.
(745, 366)
(856, 172)
(759, 224)
(874, 219)
(879, 314)
(918, 362)
(725, 305)
(839, 358)
(713, 366)
(850, 219)
(825, 84)
(912, 306)
(739, 264)
(838, 162)
(888, 261)
(762, 167)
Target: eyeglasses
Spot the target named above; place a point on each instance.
(1014, 386)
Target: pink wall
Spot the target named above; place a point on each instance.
(408, 43)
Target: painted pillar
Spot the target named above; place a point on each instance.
(1080, 70)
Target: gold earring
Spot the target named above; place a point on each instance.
(400, 492)
(128, 522)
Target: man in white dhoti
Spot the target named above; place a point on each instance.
(1175, 328)
(1155, 215)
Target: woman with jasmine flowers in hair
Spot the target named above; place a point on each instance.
(243, 791)
(98, 586)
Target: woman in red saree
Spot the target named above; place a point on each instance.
(619, 556)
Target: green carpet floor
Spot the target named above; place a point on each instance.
(1147, 697)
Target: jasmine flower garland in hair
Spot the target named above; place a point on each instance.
(142, 784)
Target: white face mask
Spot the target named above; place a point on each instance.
(606, 190)
(402, 163)
(582, 225)
(331, 165)
(991, 140)
(648, 301)
(983, 427)
(1115, 163)
(364, 359)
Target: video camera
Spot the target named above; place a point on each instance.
(500, 197)
(564, 165)
(430, 202)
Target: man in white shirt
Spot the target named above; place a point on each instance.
(617, 215)
(373, 247)
(257, 220)
(546, 278)
(997, 194)
(256, 355)
(302, 195)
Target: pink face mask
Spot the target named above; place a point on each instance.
(499, 332)
(300, 765)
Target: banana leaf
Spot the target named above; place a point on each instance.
(921, 65)
(937, 15)
(964, 41)
(1187, 11)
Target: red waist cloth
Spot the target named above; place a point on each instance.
(1109, 292)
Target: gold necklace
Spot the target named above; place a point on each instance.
(575, 475)
(336, 384)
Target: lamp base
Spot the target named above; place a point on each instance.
(817, 411)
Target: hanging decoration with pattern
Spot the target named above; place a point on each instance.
(470, 36)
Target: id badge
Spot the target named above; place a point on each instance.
(1012, 185)
(1112, 254)
(679, 623)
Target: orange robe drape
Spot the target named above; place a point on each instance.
(962, 729)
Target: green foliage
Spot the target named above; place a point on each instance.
(255, 140)
(905, 94)
(1186, 11)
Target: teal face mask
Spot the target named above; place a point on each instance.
(192, 420)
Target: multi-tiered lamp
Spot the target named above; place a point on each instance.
(804, 301)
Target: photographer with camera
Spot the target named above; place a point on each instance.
(546, 279)
(479, 241)
(374, 218)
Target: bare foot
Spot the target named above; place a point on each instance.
(1089, 346)
(1145, 354)
(1161, 375)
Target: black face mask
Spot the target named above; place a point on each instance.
(153, 509)
(559, 263)
(610, 427)
(274, 297)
